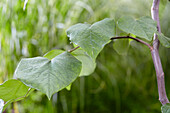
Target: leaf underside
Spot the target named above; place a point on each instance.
(88, 64)
(166, 108)
(165, 41)
(121, 46)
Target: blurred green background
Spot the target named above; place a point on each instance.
(120, 84)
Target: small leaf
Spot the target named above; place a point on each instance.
(18, 99)
(53, 53)
(12, 89)
(166, 108)
(92, 38)
(165, 41)
(144, 27)
(121, 46)
(49, 76)
(69, 87)
(88, 64)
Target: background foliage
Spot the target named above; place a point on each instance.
(120, 84)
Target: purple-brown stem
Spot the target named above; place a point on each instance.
(136, 39)
(71, 50)
(155, 55)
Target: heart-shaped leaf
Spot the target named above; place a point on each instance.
(166, 108)
(12, 89)
(144, 27)
(165, 41)
(88, 64)
(49, 76)
(92, 38)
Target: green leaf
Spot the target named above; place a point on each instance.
(49, 76)
(69, 87)
(7, 104)
(166, 108)
(144, 27)
(88, 64)
(92, 38)
(165, 41)
(121, 46)
(18, 99)
(53, 53)
(12, 89)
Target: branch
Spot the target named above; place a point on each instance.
(120, 37)
(136, 39)
(155, 55)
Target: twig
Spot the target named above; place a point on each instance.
(71, 50)
(136, 39)
(155, 55)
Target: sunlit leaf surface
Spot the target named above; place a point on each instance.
(92, 38)
(12, 89)
(144, 27)
(53, 53)
(49, 76)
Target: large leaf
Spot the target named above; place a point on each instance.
(92, 38)
(88, 64)
(165, 41)
(49, 76)
(166, 108)
(144, 27)
(12, 89)
(53, 53)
